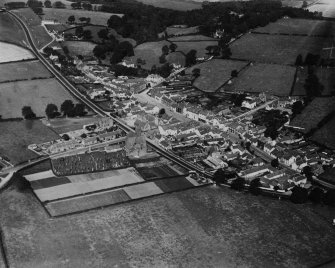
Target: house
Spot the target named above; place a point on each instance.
(230, 156)
(258, 162)
(238, 149)
(256, 171)
(154, 79)
(298, 179)
(275, 175)
(166, 145)
(288, 159)
(249, 104)
(268, 148)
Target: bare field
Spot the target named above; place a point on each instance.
(10, 52)
(23, 71)
(207, 227)
(215, 73)
(35, 93)
(83, 48)
(268, 78)
(11, 31)
(16, 136)
(276, 49)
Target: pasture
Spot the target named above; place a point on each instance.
(199, 46)
(15, 136)
(26, 70)
(299, 26)
(175, 31)
(314, 113)
(11, 31)
(325, 134)
(269, 78)
(62, 15)
(156, 232)
(276, 49)
(35, 93)
(84, 48)
(188, 38)
(10, 52)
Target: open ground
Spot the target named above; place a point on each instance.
(10, 52)
(215, 73)
(194, 228)
(37, 94)
(11, 31)
(15, 136)
(269, 78)
(23, 71)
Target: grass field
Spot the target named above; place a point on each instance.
(171, 31)
(215, 73)
(314, 113)
(62, 15)
(299, 26)
(39, 33)
(205, 227)
(16, 136)
(199, 46)
(276, 49)
(270, 78)
(173, 4)
(325, 135)
(83, 48)
(10, 52)
(23, 71)
(35, 93)
(191, 38)
(326, 78)
(11, 31)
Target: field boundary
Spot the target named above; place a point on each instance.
(3, 252)
(294, 81)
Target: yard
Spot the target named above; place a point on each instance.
(11, 31)
(325, 135)
(62, 15)
(214, 73)
(35, 93)
(10, 52)
(269, 78)
(23, 71)
(15, 136)
(211, 227)
(299, 26)
(276, 49)
(83, 48)
(314, 113)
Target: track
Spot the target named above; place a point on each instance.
(67, 85)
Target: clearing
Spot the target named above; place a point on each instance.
(179, 229)
(26, 70)
(314, 113)
(269, 78)
(11, 31)
(10, 52)
(214, 73)
(276, 49)
(35, 93)
(15, 136)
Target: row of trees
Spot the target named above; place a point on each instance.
(68, 108)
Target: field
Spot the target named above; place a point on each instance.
(325, 76)
(63, 125)
(191, 38)
(10, 52)
(173, 4)
(299, 26)
(171, 31)
(205, 227)
(62, 15)
(39, 33)
(199, 46)
(215, 73)
(10, 30)
(23, 71)
(276, 49)
(16, 136)
(325, 135)
(268, 78)
(314, 113)
(83, 48)
(35, 93)
(57, 27)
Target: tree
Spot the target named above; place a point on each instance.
(165, 50)
(71, 19)
(114, 22)
(103, 34)
(271, 132)
(225, 52)
(299, 195)
(234, 73)
(47, 4)
(161, 112)
(162, 59)
(87, 35)
(67, 107)
(304, 4)
(329, 197)
(297, 107)
(238, 184)
(191, 58)
(173, 47)
(37, 10)
(51, 110)
(299, 61)
(316, 195)
(80, 109)
(312, 86)
(28, 113)
(79, 31)
(66, 137)
(196, 72)
(21, 182)
(59, 4)
(307, 171)
(66, 50)
(254, 186)
(219, 176)
(87, 6)
(275, 163)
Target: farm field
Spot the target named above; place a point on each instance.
(175, 31)
(276, 49)
(269, 78)
(314, 113)
(11, 31)
(215, 73)
(57, 27)
(39, 33)
(199, 46)
(326, 78)
(84, 48)
(10, 52)
(173, 4)
(187, 38)
(62, 15)
(165, 237)
(35, 93)
(23, 71)
(299, 26)
(15, 136)
(325, 135)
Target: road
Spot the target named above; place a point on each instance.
(67, 85)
